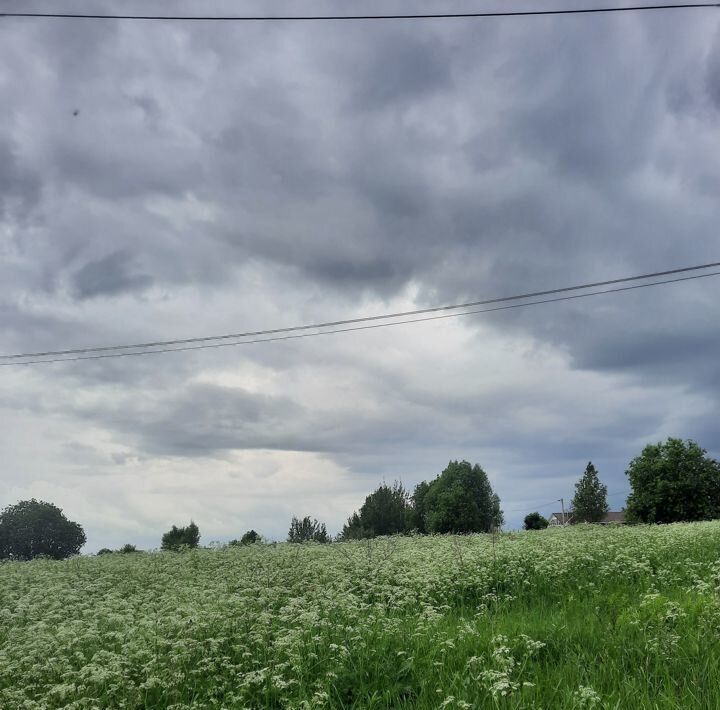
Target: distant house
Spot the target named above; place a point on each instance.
(556, 520)
(560, 519)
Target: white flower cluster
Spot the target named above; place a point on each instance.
(409, 622)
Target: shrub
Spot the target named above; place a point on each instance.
(461, 500)
(386, 511)
(177, 538)
(672, 482)
(535, 521)
(32, 528)
(307, 530)
(250, 538)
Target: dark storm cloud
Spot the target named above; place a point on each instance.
(712, 73)
(210, 420)
(19, 187)
(576, 113)
(399, 69)
(203, 420)
(402, 415)
(115, 273)
(166, 180)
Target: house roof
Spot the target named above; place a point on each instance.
(614, 517)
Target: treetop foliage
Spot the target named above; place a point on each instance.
(673, 481)
(460, 500)
(177, 539)
(589, 505)
(386, 511)
(535, 521)
(33, 528)
(249, 538)
(307, 530)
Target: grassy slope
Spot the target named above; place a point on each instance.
(591, 617)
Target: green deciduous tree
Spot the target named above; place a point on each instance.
(589, 505)
(307, 530)
(461, 500)
(419, 509)
(32, 528)
(386, 511)
(353, 529)
(177, 538)
(673, 481)
(250, 538)
(498, 519)
(535, 521)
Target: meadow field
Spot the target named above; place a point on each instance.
(583, 617)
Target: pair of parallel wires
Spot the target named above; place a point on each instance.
(368, 322)
(384, 320)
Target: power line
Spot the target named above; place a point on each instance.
(346, 330)
(295, 18)
(364, 319)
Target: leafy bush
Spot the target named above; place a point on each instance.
(307, 530)
(386, 511)
(672, 482)
(535, 521)
(32, 528)
(104, 551)
(177, 538)
(249, 538)
(460, 500)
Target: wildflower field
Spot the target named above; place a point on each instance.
(584, 617)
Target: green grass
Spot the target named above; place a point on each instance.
(572, 618)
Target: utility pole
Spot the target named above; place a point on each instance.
(562, 503)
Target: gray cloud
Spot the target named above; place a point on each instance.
(712, 73)
(400, 68)
(109, 275)
(229, 178)
(19, 188)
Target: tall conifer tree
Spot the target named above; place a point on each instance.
(589, 504)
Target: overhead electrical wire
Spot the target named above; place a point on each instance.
(532, 508)
(14, 360)
(362, 319)
(315, 18)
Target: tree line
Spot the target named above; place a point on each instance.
(459, 500)
(589, 504)
(671, 481)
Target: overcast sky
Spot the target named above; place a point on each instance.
(168, 180)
